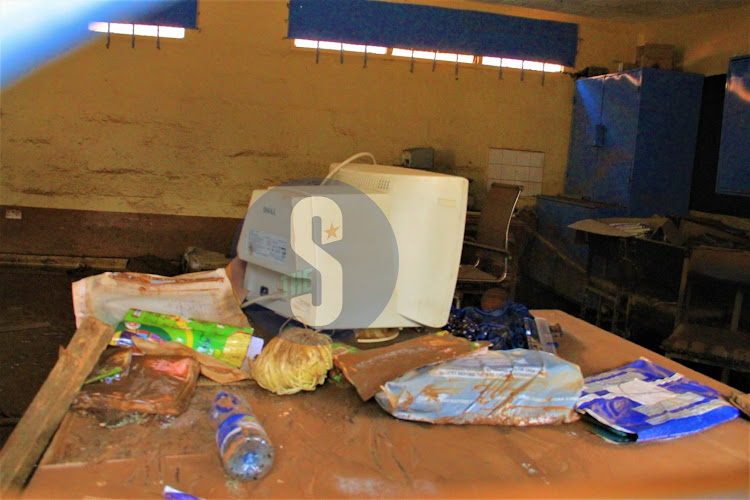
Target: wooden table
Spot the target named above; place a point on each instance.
(331, 444)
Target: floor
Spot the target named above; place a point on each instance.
(36, 319)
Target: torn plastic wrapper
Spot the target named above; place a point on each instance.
(234, 345)
(210, 367)
(170, 493)
(644, 401)
(539, 335)
(155, 384)
(113, 365)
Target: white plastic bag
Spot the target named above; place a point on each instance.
(206, 295)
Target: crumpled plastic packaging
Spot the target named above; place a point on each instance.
(210, 367)
(155, 384)
(514, 387)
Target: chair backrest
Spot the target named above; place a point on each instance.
(494, 221)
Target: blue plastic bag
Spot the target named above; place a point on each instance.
(503, 327)
(644, 401)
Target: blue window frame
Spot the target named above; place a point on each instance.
(421, 27)
(176, 13)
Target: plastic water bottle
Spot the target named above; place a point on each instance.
(245, 449)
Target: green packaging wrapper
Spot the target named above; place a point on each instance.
(227, 343)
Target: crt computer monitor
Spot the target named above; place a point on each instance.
(385, 253)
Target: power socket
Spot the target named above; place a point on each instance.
(13, 213)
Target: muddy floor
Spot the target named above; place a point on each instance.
(36, 318)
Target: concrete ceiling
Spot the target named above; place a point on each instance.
(626, 10)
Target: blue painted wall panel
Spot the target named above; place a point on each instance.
(733, 175)
(175, 13)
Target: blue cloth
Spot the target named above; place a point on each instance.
(504, 327)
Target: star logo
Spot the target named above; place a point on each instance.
(331, 231)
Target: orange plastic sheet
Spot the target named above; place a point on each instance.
(369, 369)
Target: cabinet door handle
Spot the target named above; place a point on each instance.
(599, 135)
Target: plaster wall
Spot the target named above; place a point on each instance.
(193, 127)
(704, 42)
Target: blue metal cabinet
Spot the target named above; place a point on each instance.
(632, 140)
(733, 174)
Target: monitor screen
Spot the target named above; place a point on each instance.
(369, 246)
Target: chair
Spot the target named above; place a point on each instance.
(485, 260)
(725, 346)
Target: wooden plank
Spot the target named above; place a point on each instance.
(63, 261)
(32, 434)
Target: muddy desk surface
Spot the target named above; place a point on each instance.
(331, 444)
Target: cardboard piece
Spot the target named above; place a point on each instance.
(613, 226)
(655, 55)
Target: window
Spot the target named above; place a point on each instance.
(138, 29)
(348, 47)
(518, 64)
(433, 56)
(428, 28)
(155, 18)
(430, 56)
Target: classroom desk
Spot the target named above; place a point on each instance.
(331, 444)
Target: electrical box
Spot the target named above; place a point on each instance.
(420, 158)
